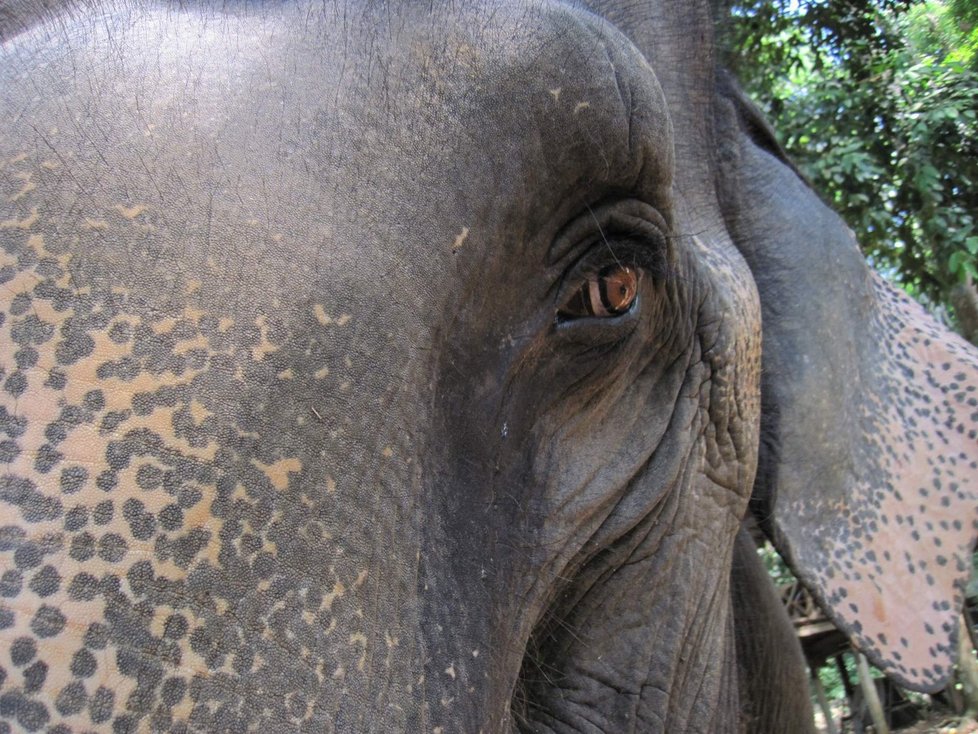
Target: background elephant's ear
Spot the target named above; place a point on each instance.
(867, 481)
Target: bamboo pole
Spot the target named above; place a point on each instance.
(823, 702)
(967, 672)
(871, 696)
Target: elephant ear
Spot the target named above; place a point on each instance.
(867, 478)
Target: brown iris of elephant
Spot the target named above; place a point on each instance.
(413, 367)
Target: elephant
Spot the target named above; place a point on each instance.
(418, 367)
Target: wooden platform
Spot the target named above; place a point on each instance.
(820, 639)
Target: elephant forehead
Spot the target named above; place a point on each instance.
(497, 130)
(401, 137)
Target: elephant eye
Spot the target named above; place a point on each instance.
(610, 292)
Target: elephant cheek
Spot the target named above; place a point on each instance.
(183, 542)
(641, 628)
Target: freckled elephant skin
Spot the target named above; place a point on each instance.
(317, 412)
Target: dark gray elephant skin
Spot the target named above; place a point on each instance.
(391, 368)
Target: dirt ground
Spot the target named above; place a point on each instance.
(938, 722)
(934, 722)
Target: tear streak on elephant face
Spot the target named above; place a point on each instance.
(295, 434)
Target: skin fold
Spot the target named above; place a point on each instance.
(386, 367)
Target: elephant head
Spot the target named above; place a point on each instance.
(394, 368)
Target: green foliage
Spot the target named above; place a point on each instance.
(877, 101)
(777, 569)
(832, 679)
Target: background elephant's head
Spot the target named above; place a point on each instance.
(395, 369)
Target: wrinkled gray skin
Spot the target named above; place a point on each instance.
(295, 441)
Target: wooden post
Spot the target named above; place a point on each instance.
(840, 663)
(823, 702)
(871, 696)
(967, 673)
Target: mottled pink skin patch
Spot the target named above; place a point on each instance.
(894, 569)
